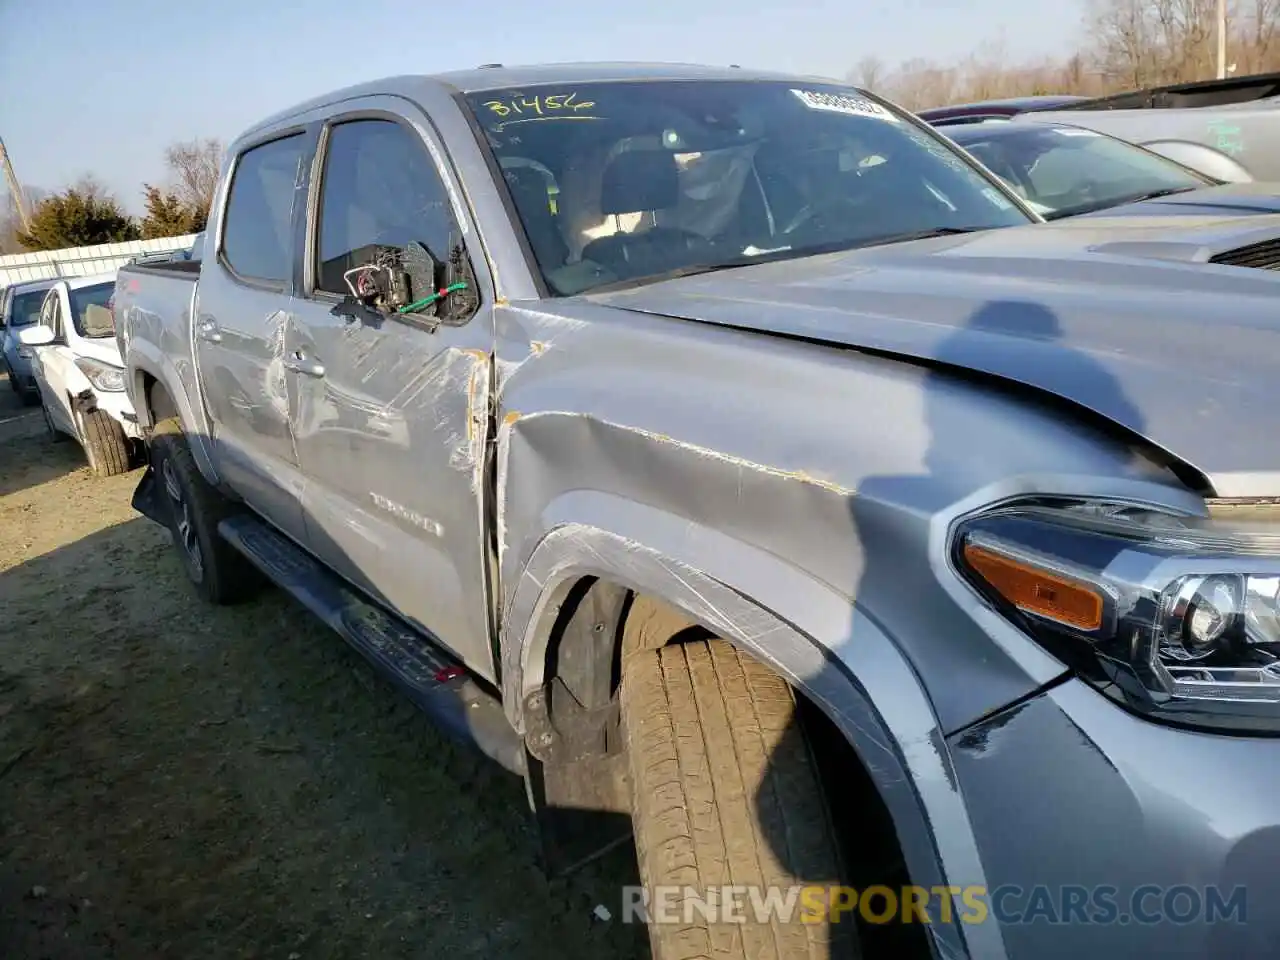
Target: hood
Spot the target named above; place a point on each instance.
(1238, 199)
(106, 349)
(1117, 315)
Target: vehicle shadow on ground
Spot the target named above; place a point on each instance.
(183, 780)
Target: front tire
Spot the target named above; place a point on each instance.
(726, 792)
(219, 574)
(104, 442)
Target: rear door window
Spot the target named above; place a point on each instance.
(256, 239)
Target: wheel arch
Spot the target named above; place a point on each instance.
(155, 398)
(871, 696)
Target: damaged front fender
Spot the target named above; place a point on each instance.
(85, 402)
(869, 692)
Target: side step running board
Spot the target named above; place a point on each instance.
(435, 681)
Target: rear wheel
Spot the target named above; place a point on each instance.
(104, 442)
(195, 508)
(726, 792)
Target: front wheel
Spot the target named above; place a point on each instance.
(104, 442)
(726, 793)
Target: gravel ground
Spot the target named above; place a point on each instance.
(184, 781)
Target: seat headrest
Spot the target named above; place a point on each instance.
(637, 180)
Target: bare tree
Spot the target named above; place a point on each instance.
(1124, 41)
(870, 74)
(1132, 44)
(11, 223)
(90, 187)
(1259, 27)
(922, 83)
(194, 166)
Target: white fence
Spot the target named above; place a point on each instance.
(82, 261)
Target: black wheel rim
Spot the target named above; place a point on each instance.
(183, 528)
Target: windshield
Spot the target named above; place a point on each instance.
(1063, 171)
(620, 181)
(95, 323)
(25, 308)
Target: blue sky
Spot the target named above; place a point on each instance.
(106, 85)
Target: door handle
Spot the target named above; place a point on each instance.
(207, 329)
(299, 362)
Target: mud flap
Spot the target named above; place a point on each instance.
(146, 497)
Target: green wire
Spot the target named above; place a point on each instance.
(438, 295)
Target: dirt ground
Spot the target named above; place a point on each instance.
(183, 781)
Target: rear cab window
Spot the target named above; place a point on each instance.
(256, 233)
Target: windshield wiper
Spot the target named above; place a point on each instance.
(1157, 194)
(677, 273)
(918, 235)
(1116, 202)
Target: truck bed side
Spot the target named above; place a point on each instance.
(154, 308)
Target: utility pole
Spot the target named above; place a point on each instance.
(15, 188)
(1222, 39)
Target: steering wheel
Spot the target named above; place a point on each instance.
(840, 205)
(1089, 188)
(658, 248)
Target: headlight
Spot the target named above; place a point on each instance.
(1177, 618)
(103, 376)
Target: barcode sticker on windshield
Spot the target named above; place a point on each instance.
(1076, 132)
(844, 103)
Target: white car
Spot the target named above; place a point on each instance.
(78, 371)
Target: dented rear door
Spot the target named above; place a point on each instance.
(242, 312)
(391, 413)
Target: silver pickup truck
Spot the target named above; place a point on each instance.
(730, 457)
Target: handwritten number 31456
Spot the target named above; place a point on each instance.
(539, 106)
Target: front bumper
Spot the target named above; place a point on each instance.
(1104, 835)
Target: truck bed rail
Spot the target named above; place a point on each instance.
(1201, 93)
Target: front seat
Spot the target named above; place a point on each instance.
(642, 181)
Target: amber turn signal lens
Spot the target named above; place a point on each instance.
(1036, 590)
